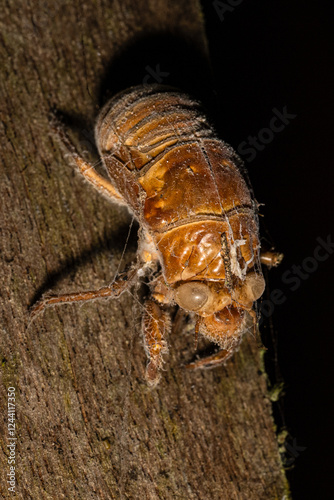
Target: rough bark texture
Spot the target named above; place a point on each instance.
(87, 426)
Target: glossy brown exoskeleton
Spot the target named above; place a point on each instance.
(198, 222)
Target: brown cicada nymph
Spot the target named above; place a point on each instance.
(198, 222)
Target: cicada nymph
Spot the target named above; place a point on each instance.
(198, 221)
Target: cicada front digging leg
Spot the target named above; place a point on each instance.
(231, 344)
(211, 361)
(156, 326)
(215, 359)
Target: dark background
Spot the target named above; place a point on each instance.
(268, 55)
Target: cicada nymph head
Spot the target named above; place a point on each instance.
(222, 312)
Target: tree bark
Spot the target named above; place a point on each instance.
(87, 425)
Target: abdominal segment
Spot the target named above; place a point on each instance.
(182, 183)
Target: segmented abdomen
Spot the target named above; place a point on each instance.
(180, 180)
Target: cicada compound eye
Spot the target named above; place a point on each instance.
(192, 296)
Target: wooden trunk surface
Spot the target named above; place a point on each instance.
(87, 425)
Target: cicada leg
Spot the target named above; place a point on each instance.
(101, 184)
(211, 361)
(223, 355)
(156, 326)
(271, 259)
(114, 290)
